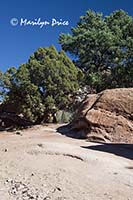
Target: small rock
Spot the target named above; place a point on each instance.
(59, 189)
(115, 173)
(40, 145)
(47, 198)
(19, 133)
(32, 174)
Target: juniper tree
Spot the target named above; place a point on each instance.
(103, 47)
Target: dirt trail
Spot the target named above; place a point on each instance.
(41, 164)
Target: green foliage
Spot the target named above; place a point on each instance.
(103, 44)
(66, 117)
(45, 84)
(63, 116)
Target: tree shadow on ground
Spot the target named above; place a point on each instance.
(10, 121)
(123, 150)
(14, 128)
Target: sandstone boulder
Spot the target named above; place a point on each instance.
(107, 116)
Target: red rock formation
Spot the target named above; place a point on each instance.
(107, 116)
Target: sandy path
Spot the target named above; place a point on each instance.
(43, 165)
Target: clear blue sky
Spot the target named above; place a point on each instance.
(18, 43)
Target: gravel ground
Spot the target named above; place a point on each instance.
(41, 164)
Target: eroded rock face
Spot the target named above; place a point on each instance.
(107, 116)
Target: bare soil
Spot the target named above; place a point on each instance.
(42, 164)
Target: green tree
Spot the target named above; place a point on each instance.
(45, 84)
(57, 76)
(103, 47)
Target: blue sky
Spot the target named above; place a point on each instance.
(17, 43)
